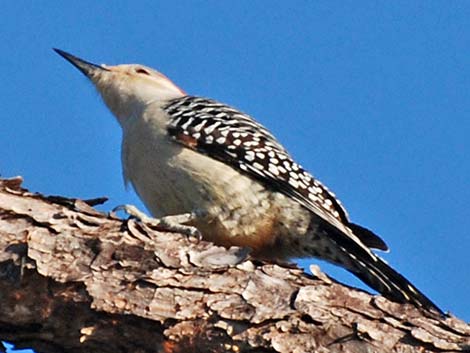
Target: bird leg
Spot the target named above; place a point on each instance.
(172, 223)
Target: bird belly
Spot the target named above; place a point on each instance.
(172, 179)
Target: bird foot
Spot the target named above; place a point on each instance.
(173, 223)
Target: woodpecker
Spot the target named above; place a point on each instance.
(184, 153)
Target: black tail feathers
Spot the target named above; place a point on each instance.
(374, 271)
(369, 238)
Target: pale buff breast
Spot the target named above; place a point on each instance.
(172, 179)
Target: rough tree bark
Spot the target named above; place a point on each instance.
(73, 279)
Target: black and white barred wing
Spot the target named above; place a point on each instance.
(234, 138)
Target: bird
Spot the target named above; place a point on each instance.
(187, 154)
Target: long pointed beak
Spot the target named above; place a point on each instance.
(85, 67)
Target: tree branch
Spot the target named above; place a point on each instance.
(73, 279)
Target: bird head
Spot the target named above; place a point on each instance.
(126, 89)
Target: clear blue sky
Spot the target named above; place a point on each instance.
(372, 97)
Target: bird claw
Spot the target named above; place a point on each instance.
(173, 223)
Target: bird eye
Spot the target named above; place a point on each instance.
(141, 70)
